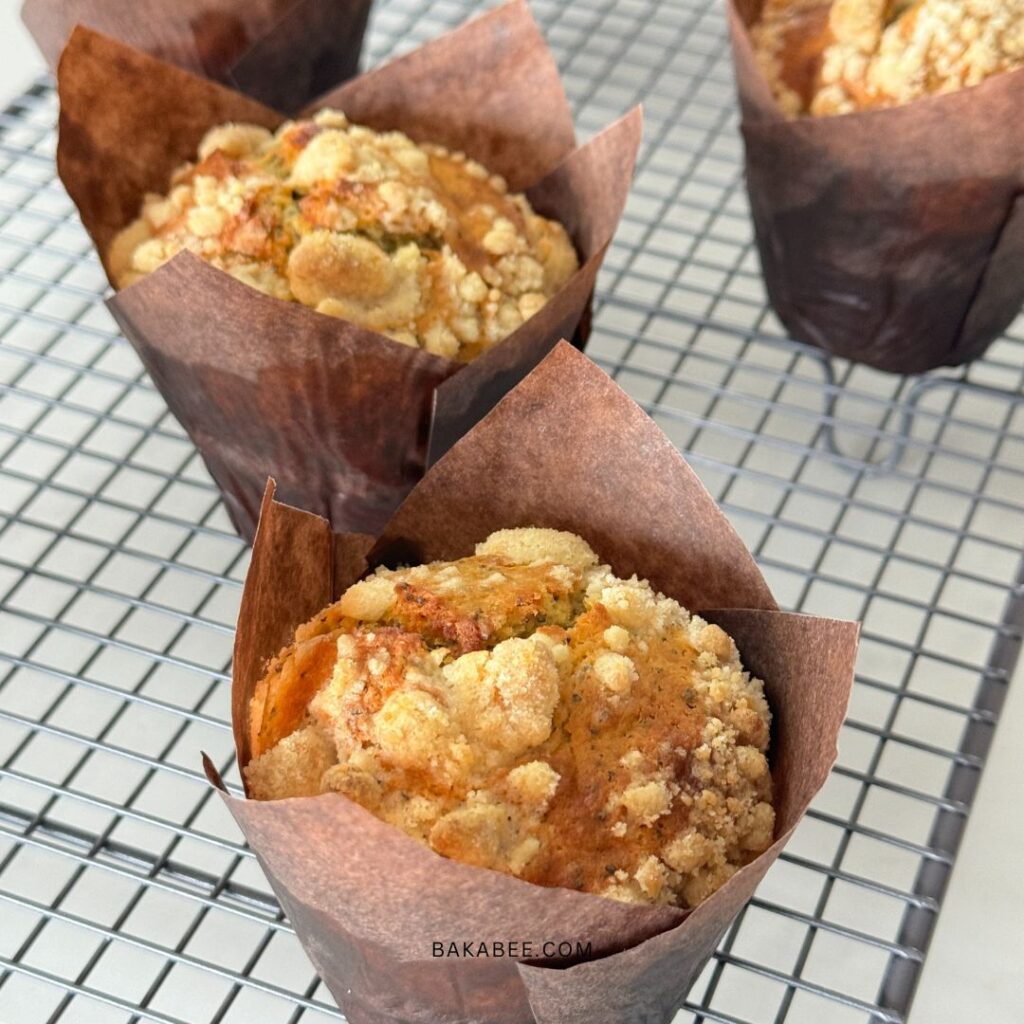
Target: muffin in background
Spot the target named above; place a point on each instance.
(890, 228)
(283, 53)
(345, 417)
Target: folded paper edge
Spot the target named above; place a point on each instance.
(560, 362)
(213, 776)
(1004, 262)
(248, 664)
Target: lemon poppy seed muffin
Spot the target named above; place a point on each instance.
(849, 55)
(525, 710)
(416, 242)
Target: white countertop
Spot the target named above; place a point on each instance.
(973, 971)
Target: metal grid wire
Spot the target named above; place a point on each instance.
(125, 892)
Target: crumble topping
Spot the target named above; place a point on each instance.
(848, 55)
(416, 242)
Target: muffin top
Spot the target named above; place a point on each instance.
(826, 58)
(416, 242)
(525, 710)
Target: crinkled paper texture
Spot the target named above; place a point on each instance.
(366, 900)
(281, 52)
(341, 416)
(892, 237)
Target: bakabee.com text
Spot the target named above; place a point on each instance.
(511, 949)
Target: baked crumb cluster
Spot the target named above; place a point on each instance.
(419, 243)
(849, 55)
(525, 710)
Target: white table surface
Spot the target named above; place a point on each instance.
(973, 973)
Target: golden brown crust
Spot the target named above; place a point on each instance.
(487, 601)
(834, 58)
(525, 710)
(416, 242)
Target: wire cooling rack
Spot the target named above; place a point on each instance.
(125, 892)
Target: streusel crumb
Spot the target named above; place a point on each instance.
(525, 710)
(826, 58)
(416, 242)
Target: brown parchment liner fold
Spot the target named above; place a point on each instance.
(366, 900)
(339, 414)
(893, 237)
(283, 53)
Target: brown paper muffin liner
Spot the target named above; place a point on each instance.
(892, 237)
(283, 53)
(343, 417)
(367, 901)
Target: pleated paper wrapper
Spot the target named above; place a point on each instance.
(566, 449)
(892, 237)
(344, 418)
(283, 53)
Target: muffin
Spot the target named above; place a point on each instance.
(525, 710)
(849, 55)
(419, 243)
(283, 53)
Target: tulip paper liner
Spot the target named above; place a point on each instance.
(281, 52)
(892, 237)
(343, 417)
(367, 901)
